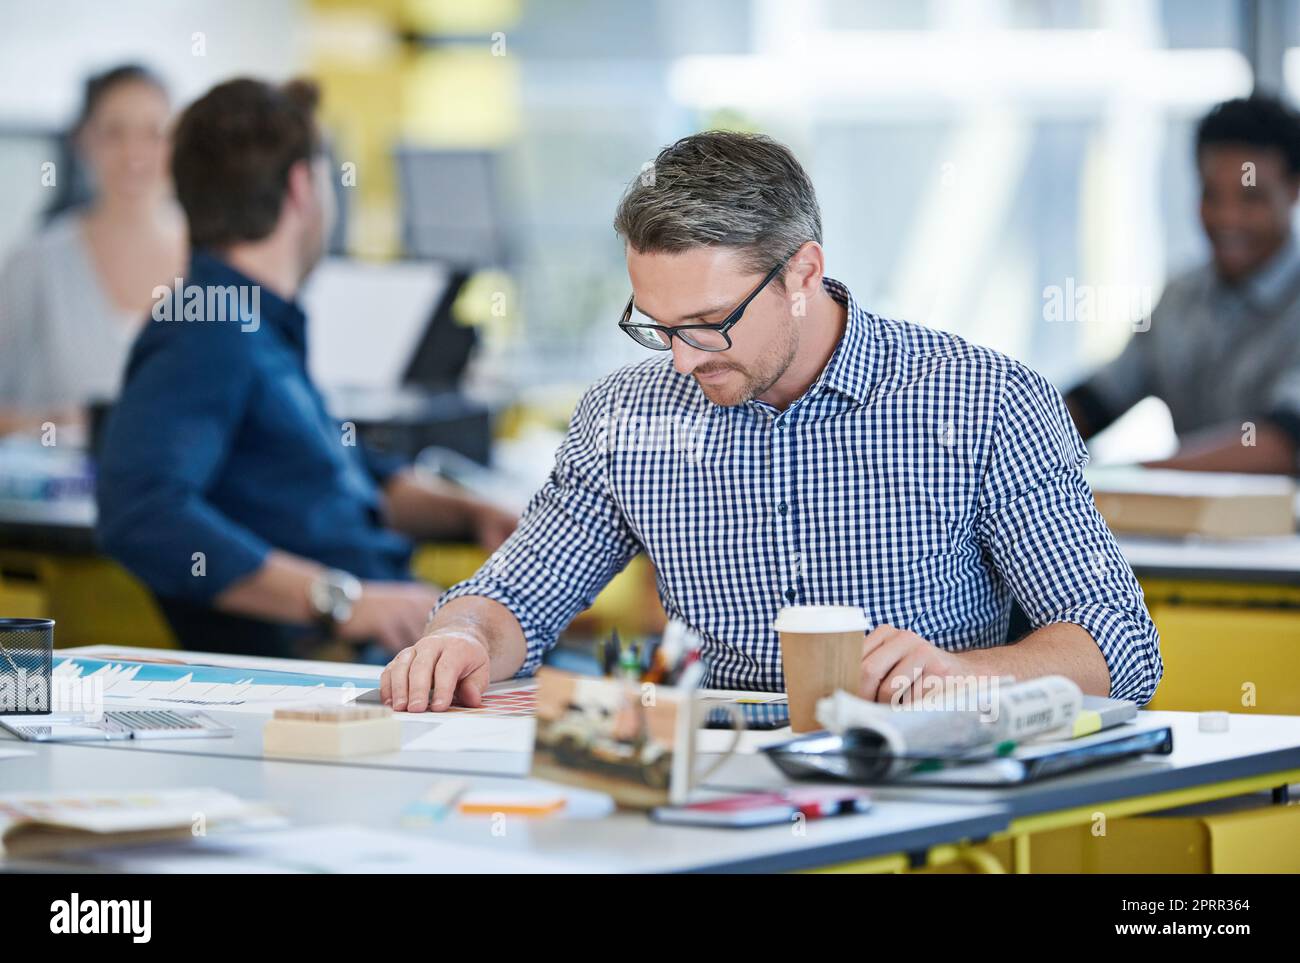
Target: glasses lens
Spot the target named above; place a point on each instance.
(705, 339)
(649, 337)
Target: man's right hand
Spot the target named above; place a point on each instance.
(448, 664)
(393, 614)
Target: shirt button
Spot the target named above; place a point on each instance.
(782, 508)
(790, 595)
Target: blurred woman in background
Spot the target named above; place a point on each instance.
(73, 298)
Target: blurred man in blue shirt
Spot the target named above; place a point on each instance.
(257, 519)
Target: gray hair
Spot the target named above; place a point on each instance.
(742, 191)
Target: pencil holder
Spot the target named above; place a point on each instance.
(634, 741)
(26, 665)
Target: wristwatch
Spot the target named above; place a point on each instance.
(333, 594)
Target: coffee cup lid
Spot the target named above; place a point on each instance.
(820, 618)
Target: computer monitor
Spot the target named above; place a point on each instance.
(337, 242)
(368, 326)
(367, 320)
(451, 206)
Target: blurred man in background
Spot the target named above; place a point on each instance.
(1223, 346)
(225, 485)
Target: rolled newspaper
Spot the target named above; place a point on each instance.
(900, 736)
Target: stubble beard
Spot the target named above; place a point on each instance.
(768, 371)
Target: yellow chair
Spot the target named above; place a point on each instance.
(93, 600)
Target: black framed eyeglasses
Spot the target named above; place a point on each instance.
(705, 337)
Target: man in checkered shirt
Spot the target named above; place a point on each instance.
(782, 445)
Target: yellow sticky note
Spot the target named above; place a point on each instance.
(1087, 722)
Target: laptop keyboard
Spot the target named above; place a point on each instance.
(151, 720)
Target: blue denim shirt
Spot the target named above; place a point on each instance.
(220, 449)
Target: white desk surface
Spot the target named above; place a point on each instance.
(373, 793)
(1273, 558)
(313, 794)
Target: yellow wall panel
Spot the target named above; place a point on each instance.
(1220, 658)
(458, 16)
(460, 96)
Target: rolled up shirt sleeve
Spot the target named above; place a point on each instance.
(572, 539)
(167, 440)
(1047, 540)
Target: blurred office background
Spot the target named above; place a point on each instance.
(969, 155)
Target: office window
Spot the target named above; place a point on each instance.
(979, 165)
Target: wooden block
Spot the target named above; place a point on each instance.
(326, 732)
(1158, 502)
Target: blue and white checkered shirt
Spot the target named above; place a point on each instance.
(927, 480)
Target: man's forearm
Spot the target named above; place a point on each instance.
(1273, 452)
(279, 591)
(14, 420)
(489, 623)
(427, 509)
(1062, 648)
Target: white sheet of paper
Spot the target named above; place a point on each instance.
(462, 733)
(120, 688)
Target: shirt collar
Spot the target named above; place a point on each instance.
(286, 317)
(851, 368)
(1270, 286)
